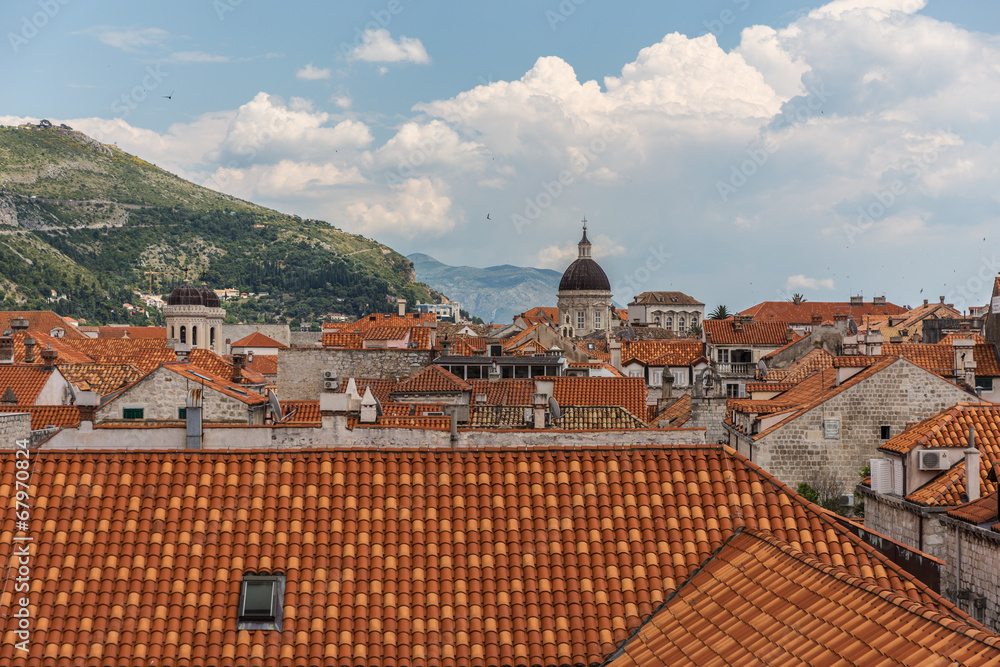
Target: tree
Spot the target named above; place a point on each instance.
(798, 298)
(695, 331)
(720, 313)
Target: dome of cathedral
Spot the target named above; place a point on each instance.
(186, 295)
(584, 273)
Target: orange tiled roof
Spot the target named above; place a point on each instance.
(385, 333)
(304, 412)
(94, 347)
(966, 335)
(548, 312)
(940, 359)
(853, 361)
(762, 601)
(347, 341)
(573, 418)
(67, 352)
(663, 352)
(432, 379)
(63, 416)
(257, 339)
(381, 387)
(265, 364)
(145, 360)
(221, 384)
(504, 392)
(395, 556)
(769, 386)
(978, 511)
(788, 311)
(101, 378)
(770, 332)
(462, 346)
(26, 381)
(677, 413)
(628, 393)
(815, 360)
(39, 320)
(127, 332)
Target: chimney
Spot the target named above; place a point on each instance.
(616, 353)
(817, 320)
(182, 351)
(925, 303)
(6, 350)
(21, 323)
(667, 386)
(840, 317)
(49, 359)
(942, 299)
(789, 334)
(857, 300)
(539, 402)
(401, 307)
(797, 299)
(879, 301)
(239, 363)
(972, 467)
(29, 350)
(737, 323)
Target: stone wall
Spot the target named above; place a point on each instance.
(14, 426)
(972, 578)
(709, 414)
(300, 370)
(306, 339)
(163, 392)
(915, 526)
(899, 394)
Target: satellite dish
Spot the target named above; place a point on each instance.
(762, 367)
(378, 407)
(852, 327)
(554, 408)
(275, 406)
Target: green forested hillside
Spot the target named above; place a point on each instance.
(88, 221)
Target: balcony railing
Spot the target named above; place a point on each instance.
(735, 369)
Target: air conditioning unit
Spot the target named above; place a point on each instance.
(846, 499)
(329, 375)
(331, 384)
(933, 460)
(435, 413)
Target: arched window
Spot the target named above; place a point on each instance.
(680, 324)
(211, 338)
(656, 321)
(694, 320)
(184, 334)
(194, 336)
(668, 323)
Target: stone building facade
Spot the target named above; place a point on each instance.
(802, 450)
(302, 370)
(163, 393)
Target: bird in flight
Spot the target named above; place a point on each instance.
(170, 96)
(488, 216)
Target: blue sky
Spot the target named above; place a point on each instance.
(737, 150)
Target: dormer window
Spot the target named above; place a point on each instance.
(261, 598)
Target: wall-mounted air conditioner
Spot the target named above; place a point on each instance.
(933, 460)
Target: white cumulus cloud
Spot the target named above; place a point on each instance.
(801, 282)
(378, 46)
(312, 73)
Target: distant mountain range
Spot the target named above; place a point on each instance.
(496, 293)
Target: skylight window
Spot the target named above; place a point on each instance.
(261, 598)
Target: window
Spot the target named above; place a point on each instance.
(984, 384)
(261, 596)
(668, 323)
(885, 430)
(581, 319)
(171, 331)
(694, 320)
(680, 324)
(656, 321)
(680, 378)
(211, 337)
(194, 336)
(184, 334)
(597, 319)
(635, 374)
(657, 378)
(723, 356)
(132, 413)
(733, 391)
(182, 413)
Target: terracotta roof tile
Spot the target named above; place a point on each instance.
(628, 393)
(342, 340)
(265, 364)
(39, 321)
(300, 412)
(381, 388)
(770, 332)
(950, 338)
(127, 332)
(667, 352)
(677, 413)
(67, 352)
(573, 418)
(788, 311)
(64, 416)
(385, 333)
(815, 360)
(983, 510)
(26, 381)
(761, 601)
(216, 382)
(432, 379)
(100, 378)
(459, 558)
(504, 391)
(257, 339)
(940, 359)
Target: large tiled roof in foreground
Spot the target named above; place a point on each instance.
(759, 601)
(404, 557)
